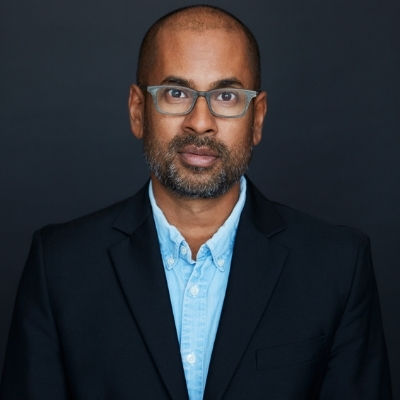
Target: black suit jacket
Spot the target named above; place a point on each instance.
(301, 317)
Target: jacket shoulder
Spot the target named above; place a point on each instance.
(306, 224)
(110, 222)
(297, 227)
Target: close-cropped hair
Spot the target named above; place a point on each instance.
(196, 18)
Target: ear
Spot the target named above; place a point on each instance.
(136, 110)
(260, 109)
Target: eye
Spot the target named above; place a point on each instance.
(176, 93)
(226, 96)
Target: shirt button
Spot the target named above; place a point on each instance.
(194, 290)
(183, 250)
(221, 262)
(191, 358)
(170, 261)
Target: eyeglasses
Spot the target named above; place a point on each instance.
(177, 100)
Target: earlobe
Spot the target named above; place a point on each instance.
(136, 110)
(260, 109)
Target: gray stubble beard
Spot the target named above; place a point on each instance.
(198, 182)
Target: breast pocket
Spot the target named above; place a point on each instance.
(291, 354)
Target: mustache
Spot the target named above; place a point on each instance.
(181, 141)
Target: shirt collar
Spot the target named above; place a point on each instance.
(220, 245)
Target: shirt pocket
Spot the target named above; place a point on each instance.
(291, 354)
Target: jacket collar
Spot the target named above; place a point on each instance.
(136, 210)
(259, 211)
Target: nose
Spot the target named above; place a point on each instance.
(200, 120)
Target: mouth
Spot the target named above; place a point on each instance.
(198, 156)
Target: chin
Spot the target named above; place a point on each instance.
(197, 182)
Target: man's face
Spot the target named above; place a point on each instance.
(199, 155)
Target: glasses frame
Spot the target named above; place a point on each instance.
(250, 94)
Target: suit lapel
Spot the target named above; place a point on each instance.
(140, 271)
(256, 265)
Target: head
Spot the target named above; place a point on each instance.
(198, 19)
(197, 155)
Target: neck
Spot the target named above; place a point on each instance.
(196, 219)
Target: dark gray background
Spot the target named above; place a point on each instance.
(331, 143)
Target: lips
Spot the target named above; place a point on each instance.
(198, 156)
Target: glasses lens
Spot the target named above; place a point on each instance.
(174, 100)
(228, 102)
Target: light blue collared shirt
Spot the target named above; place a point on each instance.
(197, 288)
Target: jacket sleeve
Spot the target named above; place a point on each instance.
(33, 367)
(358, 366)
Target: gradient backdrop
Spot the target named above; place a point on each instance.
(331, 143)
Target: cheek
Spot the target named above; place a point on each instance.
(237, 133)
(163, 127)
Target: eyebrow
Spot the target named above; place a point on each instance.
(175, 80)
(222, 83)
(228, 82)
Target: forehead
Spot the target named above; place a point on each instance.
(201, 57)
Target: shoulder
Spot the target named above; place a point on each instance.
(70, 253)
(306, 226)
(321, 256)
(301, 230)
(100, 228)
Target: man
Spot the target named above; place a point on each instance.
(197, 287)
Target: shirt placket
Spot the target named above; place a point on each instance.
(194, 325)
